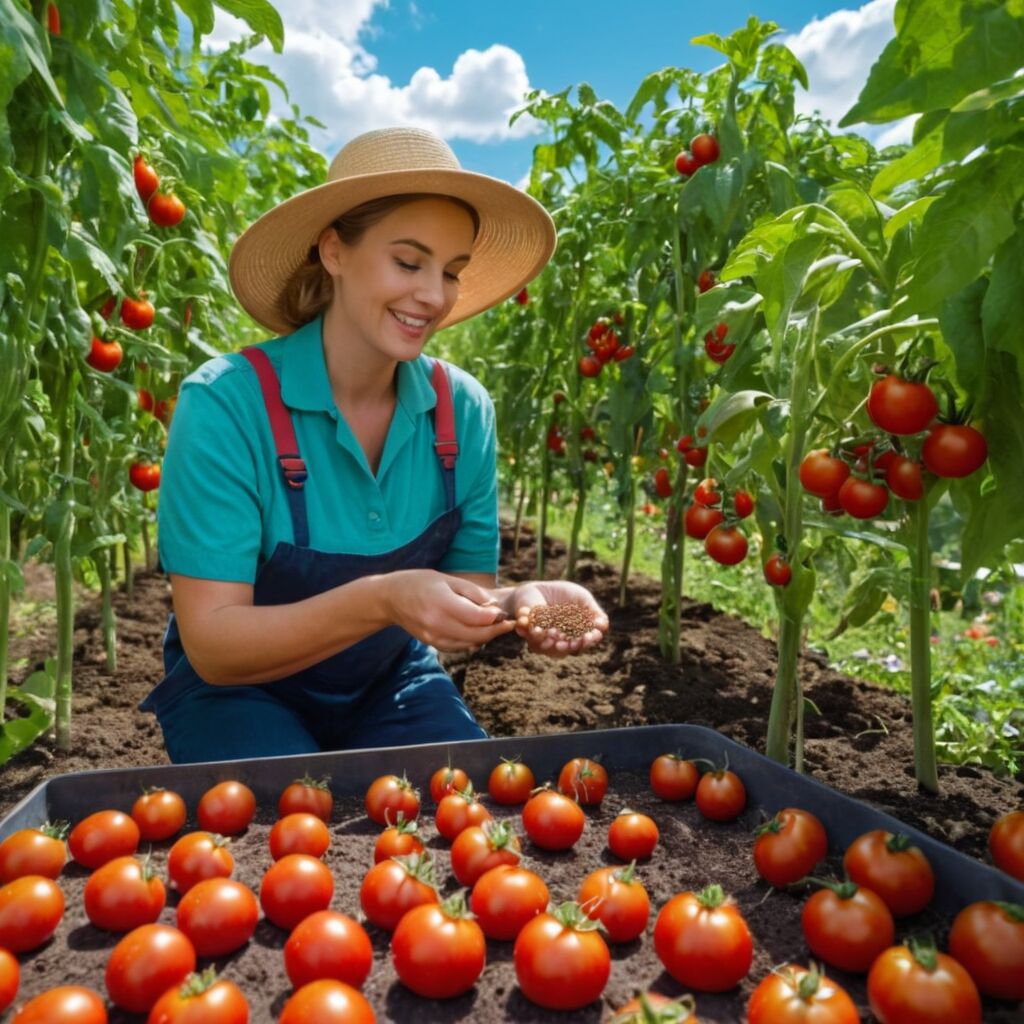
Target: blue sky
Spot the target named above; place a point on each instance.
(459, 67)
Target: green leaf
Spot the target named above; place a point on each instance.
(260, 16)
(23, 37)
(200, 13)
(912, 213)
(960, 321)
(1001, 310)
(731, 414)
(963, 228)
(18, 734)
(943, 51)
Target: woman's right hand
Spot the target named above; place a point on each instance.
(446, 612)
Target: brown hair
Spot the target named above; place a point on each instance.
(310, 289)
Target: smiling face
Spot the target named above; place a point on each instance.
(399, 281)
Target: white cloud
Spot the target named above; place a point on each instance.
(333, 77)
(838, 52)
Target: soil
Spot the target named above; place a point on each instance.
(860, 744)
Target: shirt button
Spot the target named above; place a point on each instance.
(374, 517)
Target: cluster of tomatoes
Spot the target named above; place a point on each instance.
(858, 481)
(604, 345)
(555, 440)
(714, 518)
(704, 149)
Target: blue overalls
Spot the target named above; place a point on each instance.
(389, 689)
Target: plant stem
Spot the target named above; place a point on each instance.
(5, 597)
(519, 517)
(920, 645)
(129, 572)
(108, 618)
(627, 554)
(545, 491)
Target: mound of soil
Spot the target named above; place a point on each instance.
(860, 744)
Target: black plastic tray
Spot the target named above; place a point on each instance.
(959, 879)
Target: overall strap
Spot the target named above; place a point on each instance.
(287, 447)
(445, 444)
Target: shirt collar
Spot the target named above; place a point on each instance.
(305, 384)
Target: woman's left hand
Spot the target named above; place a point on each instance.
(552, 639)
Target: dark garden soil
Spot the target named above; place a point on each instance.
(860, 744)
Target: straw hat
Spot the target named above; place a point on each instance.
(515, 240)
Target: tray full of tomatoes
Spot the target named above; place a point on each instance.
(658, 873)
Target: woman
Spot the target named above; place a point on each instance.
(328, 514)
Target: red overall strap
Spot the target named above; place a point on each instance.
(445, 445)
(287, 447)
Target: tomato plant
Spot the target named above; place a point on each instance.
(552, 820)
(632, 836)
(159, 813)
(505, 898)
(226, 808)
(33, 851)
(30, 910)
(219, 915)
(299, 833)
(145, 964)
(673, 777)
(617, 898)
(327, 944)
(197, 856)
(327, 1002)
(789, 846)
(847, 925)
(795, 995)
(294, 887)
(201, 997)
(561, 961)
(438, 950)
(510, 782)
(306, 796)
(388, 795)
(123, 894)
(703, 940)
(988, 940)
(893, 867)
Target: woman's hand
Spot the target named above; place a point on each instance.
(553, 639)
(448, 612)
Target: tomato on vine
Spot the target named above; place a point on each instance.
(146, 179)
(705, 281)
(165, 210)
(726, 545)
(144, 476)
(589, 366)
(704, 148)
(821, 474)
(104, 356)
(705, 494)
(862, 499)
(742, 503)
(686, 164)
(954, 450)
(777, 570)
(900, 406)
(138, 314)
(699, 520)
(904, 478)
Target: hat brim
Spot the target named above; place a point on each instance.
(515, 241)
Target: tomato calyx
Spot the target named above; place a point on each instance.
(571, 915)
(711, 897)
(771, 827)
(56, 829)
(455, 907)
(198, 982)
(672, 1012)
(844, 890)
(420, 867)
(500, 835)
(627, 873)
(1014, 911)
(807, 985)
(323, 783)
(924, 951)
(897, 842)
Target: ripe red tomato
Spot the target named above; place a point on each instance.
(704, 148)
(145, 964)
(146, 179)
(328, 945)
(438, 950)
(900, 406)
(30, 910)
(903, 476)
(33, 851)
(988, 940)
(794, 995)
(789, 846)
(703, 940)
(511, 782)
(295, 887)
(124, 894)
(699, 521)
(159, 813)
(623, 352)
(218, 915)
(165, 210)
(589, 366)
(306, 796)
(138, 313)
(196, 856)
(327, 1002)
(299, 833)
(830, 506)
(777, 570)
(893, 867)
(226, 808)
(743, 503)
(523, 297)
(863, 499)
(617, 898)
(583, 779)
(706, 281)
(686, 164)
(398, 840)
(561, 961)
(202, 999)
(653, 1006)
(101, 837)
(921, 986)
(392, 887)
(662, 483)
(705, 494)
(104, 356)
(10, 976)
(1006, 844)
(821, 474)
(695, 457)
(447, 780)
(673, 777)
(552, 820)
(632, 836)
(505, 898)
(145, 399)
(53, 19)
(847, 926)
(727, 545)
(144, 476)
(481, 847)
(721, 795)
(389, 794)
(954, 450)
(715, 346)
(67, 1004)
(458, 811)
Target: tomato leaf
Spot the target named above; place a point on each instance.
(260, 16)
(730, 414)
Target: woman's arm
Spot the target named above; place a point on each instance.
(230, 641)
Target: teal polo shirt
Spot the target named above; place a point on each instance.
(222, 505)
